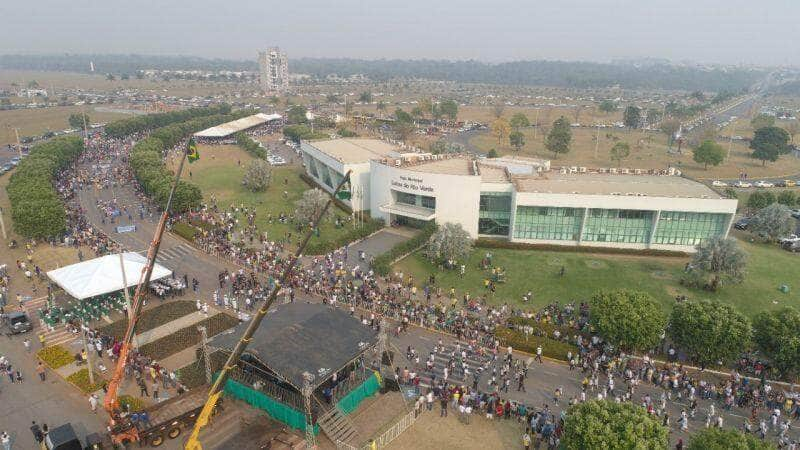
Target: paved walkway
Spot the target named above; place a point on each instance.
(168, 328)
(378, 244)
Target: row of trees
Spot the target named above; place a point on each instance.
(37, 210)
(131, 125)
(250, 145)
(148, 166)
(607, 424)
(709, 331)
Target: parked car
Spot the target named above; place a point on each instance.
(17, 322)
(718, 183)
(786, 183)
(791, 246)
(789, 239)
(742, 223)
(764, 184)
(743, 184)
(796, 213)
(15, 161)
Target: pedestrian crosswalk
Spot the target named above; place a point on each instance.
(475, 364)
(171, 254)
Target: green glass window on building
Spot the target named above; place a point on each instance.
(494, 214)
(689, 228)
(312, 165)
(537, 222)
(618, 225)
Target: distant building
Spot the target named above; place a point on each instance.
(273, 70)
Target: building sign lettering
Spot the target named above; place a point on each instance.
(411, 183)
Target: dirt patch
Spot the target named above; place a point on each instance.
(432, 432)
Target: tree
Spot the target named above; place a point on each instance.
(257, 176)
(607, 106)
(629, 320)
(710, 331)
(605, 424)
(760, 199)
(632, 117)
(516, 139)
(719, 261)
(297, 114)
(78, 120)
(726, 439)
(792, 127)
(559, 138)
(403, 124)
(417, 113)
(620, 151)
(762, 121)
(500, 128)
(442, 145)
(492, 154)
(310, 205)
(518, 121)
(772, 222)
(670, 127)
(449, 109)
(788, 198)
(709, 152)
(449, 244)
(498, 109)
(769, 143)
(775, 334)
(297, 133)
(365, 97)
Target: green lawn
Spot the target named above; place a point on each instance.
(538, 271)
(219, 173)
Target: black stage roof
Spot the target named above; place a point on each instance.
(299, 337)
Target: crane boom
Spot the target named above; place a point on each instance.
(122, 432)
(216, 389)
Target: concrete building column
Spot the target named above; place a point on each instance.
(653, 228)
(583, 224)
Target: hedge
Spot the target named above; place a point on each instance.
(551, 348)
(320, 247)
(499, 243)
(147, 163)
(382, 265)
(131, 125)
(249, 145)
(187, 337)
(185, 231)
(151, 318)
(37, 210)
(80, 380)
(55, 356)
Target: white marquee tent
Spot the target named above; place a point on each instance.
(103, 275)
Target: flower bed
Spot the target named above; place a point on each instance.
(151, 318)
(551, 348)
(80, 380)
(133, 403)
(55, 356)
(187, 337)
(185, 231)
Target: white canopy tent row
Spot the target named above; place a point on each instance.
(103, 275)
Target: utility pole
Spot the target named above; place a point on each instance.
(88, 351)
(19, 144)
(204, 347)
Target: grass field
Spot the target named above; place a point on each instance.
(34, 122)
(648, 151)
(219, 172)
(538, 271)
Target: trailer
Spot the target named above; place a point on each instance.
(169, 418)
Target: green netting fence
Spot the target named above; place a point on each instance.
(350, 402)
(277, 410)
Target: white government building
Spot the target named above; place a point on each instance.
(523, 199)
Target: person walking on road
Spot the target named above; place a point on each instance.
(93, 402)
(539, 354)
(5, 439)
(41, 371)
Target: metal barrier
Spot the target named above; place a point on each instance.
(389, 435)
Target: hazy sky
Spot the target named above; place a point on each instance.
(727, 31)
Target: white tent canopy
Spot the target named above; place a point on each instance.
(245, 123)
(103, 275)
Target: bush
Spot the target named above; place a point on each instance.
(551, 348)
(719, 439)
(151, 318)
(131, 403)
(187, 337)
(249, 145)
(499, 243)
(37, 210)
(185, 231)
(131, 125)
(320, 247)
(80, 380)
(55, 356)
(382, 264)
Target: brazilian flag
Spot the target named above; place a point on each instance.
(191, 151)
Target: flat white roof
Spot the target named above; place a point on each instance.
(229, 128)
(611, 184)
(102, 275)
(357, 150)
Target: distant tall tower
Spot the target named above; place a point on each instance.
(273, 70)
